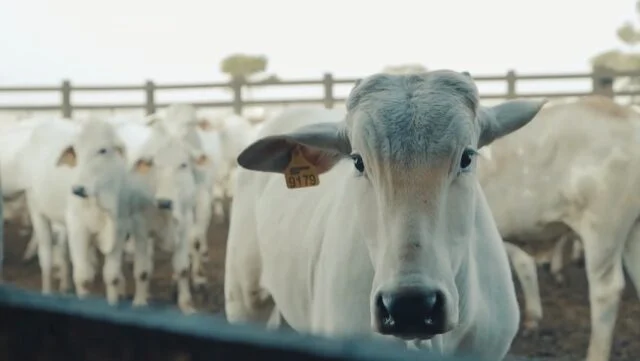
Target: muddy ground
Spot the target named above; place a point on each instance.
(563, 333)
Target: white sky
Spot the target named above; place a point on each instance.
(128, 41)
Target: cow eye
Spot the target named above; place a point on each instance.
(466, 159)
(183, 165)
(357, 162)
(102, 151)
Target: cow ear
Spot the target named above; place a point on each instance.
(68, 157)
(321, 144)
(497, 121)
(205, 125)
(151, 119)
(143, 166)
(200, 159)
(122, 151)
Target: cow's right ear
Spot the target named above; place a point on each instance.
(151, 119)
(68, 157)
(143, 166)
(322, 145)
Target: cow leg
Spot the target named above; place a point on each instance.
(142, 266)
(525, 268)
(603, 261)
(200, 247)
(112, 269)
(42, 232)
(557, 257)
(62, 261)
(277, 322)
(245, 299)
(79, 248)
(631, 257)
(32, 248)
(181, 275)
(577, 252)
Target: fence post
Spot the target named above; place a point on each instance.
(66, 99)
(150, 102)
(511, 84)
(328, 90)
(236, 87)
(602, 81)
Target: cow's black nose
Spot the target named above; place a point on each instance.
(411, 314)
(79, 191)
(165, 203)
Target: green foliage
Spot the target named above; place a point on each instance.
(243, 65)
(628, 34)
(618, 60)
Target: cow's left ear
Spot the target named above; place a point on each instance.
(68, 157)
(122, 150)
(200, 159)
(497, 121)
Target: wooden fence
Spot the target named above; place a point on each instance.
(602, 83)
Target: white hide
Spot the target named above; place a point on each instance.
(47, 187)
(180, 122)
(573, 172)
(330, 259)
(104, 205)
(167, 167)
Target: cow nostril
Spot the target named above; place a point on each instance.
(197, 245)
(386, 320)
(164, 203)
(79, 191)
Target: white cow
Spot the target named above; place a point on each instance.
(14, 137)
(102, 204)
(46, 188)
(225, 136)
(180, 122)
(573, 171)
(168, 167)
(397, 238)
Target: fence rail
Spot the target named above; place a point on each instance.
(602, 83)
(64, 328)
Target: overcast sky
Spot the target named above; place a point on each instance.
(128, 41)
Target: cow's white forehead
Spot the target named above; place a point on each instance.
(410, 117)
(96, 132)
(171, 152)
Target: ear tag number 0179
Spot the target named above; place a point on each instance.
(300, 173)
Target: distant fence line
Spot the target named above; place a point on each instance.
(602, 83)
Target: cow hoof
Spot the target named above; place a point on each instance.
(530, 327)
(559, 278)
(580, 262)
(187, 308)
(140, 302)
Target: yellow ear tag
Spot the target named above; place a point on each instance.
(300, 173)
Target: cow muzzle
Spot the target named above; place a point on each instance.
(164, 203)
(79, 191)
(410, 314)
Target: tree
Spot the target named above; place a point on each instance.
(243, 65)
(626, 60)
(409, 68)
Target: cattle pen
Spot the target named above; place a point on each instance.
(602, 82)
(39, 327)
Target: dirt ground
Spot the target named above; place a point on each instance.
(563, 333)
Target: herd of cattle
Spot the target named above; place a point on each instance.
(388, 215)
